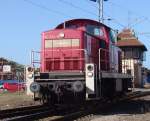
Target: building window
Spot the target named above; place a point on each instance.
(128, 71)
(143, 56)
(128, 53)
(136, 53)
(122, 53)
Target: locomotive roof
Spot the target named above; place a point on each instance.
(81, 21)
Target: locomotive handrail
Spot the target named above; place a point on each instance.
(33, 61)
(100, 60)
(85, 52)
(33, 52)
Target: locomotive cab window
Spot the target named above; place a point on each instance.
(71, 26)
(95, 30)
(112, 36)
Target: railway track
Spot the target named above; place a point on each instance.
(15, 114)
(87, 114)
(40, 112)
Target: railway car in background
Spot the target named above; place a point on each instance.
(79, 61)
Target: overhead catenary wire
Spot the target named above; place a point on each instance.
(89, 12)
(144, 18)
(84, 10)
(132, 12)
(138, 22)
(64, 14)
(46, 8)
(114, 20)
(77, 7)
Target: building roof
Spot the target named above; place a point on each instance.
(127, 39)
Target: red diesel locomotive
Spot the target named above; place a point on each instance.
(78, 61)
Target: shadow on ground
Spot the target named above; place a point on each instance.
(128, 107)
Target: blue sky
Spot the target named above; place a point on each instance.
(22, 21)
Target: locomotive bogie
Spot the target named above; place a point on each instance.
(62, 91)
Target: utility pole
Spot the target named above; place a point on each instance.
(100, 11)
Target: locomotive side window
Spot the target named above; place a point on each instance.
(95, 30)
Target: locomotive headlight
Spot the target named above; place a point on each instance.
(61, 35)
(90, 74)
(30, 69)
(90, 68)
(35, 87)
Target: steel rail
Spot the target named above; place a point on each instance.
(21, 111)
(32, 116)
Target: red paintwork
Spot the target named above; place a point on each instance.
(13, 86)
(68, 58)
(56, 55)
